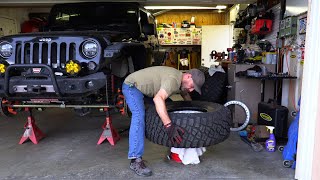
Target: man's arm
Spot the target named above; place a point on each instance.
(174, 132)
(159, 101)
(186, 96)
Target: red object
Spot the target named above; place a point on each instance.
(32, 25)
(262, 26)
(32, 131)
(109, 132)
(302, 53)
(120, 102)
(175, 157)
(8, 109)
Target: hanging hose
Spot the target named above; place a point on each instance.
(246, 109)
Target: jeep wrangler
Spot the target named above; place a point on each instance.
(78, 60)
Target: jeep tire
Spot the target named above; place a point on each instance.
(205, 124)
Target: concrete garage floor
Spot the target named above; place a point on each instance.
(70, 152)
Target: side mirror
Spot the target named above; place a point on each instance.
(148, 29)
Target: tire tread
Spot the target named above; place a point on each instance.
(202, 130)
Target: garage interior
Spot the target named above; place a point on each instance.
(255, 50)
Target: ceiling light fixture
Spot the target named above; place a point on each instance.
(184, 7)
(221, 7)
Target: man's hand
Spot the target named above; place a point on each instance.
(174, 132)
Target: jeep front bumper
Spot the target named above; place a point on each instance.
(39, 81)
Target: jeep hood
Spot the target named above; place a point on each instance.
(109, 35)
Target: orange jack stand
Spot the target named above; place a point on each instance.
(109, 132)
(32, 131)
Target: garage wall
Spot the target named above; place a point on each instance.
(293, 63)
(201, 17)
(272, 37)
(18, 15)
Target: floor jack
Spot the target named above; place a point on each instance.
(32, 131)
(109, 132)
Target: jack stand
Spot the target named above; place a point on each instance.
(108, 131)
(32, 131)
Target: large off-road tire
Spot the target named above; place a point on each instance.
(205, 123)
(214, 88)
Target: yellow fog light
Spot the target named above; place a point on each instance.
(3, 68)
(73, 67)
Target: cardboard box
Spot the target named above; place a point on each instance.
(261, 132)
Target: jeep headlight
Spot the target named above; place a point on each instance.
(6, 49)
(90, 49)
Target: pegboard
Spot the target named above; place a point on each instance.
(271, 37)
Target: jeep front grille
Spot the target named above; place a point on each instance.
(52, 54)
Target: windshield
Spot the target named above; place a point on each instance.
(94, 16)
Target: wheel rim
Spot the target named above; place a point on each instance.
(247, 111)
(187, 111)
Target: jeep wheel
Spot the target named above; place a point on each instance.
(205, 124)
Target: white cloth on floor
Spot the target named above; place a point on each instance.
(189, 155)
(213, 69)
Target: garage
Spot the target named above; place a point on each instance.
(165, 89)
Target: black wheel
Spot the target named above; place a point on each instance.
(205, 123)
(287, 163)
(280, 148)
(213, 89)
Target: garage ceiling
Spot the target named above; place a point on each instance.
(144, 2)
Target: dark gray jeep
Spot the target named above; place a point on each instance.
(79, 59)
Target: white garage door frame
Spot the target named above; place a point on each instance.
(308, 156)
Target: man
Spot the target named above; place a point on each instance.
(158, 82)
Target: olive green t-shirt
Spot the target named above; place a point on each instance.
(150, 80)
